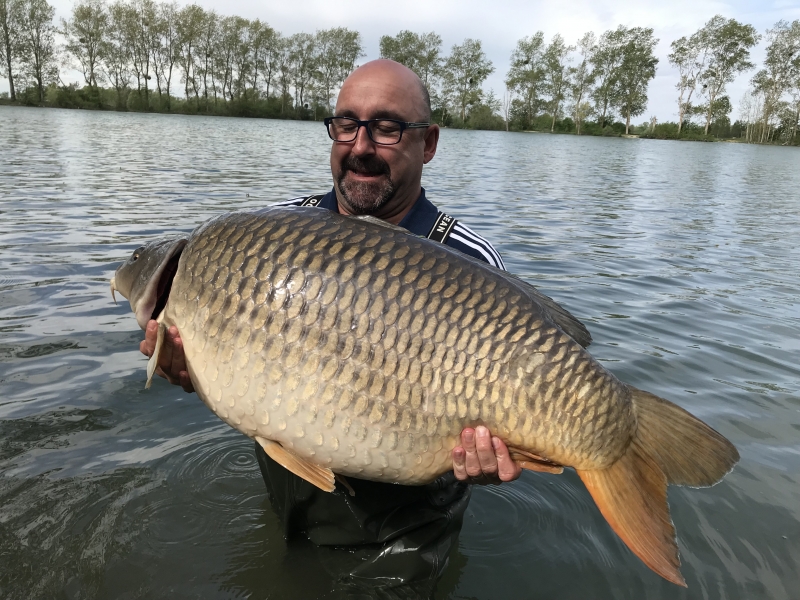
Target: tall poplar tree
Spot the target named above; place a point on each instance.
(637, 67)
(85, 32)
(9, 41)
(556, 74)
(526, 75)
(37, 43)
(465, 70)
(581, 79)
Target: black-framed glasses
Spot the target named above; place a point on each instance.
(381, 131)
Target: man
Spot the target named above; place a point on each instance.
(381, 140)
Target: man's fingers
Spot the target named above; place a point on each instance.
(185, 381)
(459, 464)
(507, 469)
(486, 457)
(165, 356)
(150, 336)
(177, 355)
(471, 462)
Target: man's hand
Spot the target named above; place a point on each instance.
(483, 458)
(171, 360)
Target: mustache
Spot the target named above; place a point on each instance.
(372, 165)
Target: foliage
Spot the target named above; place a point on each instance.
(637, 68)
(36, 43)
(525, 78)
(465, 70)
(155, 55)
(419, 52)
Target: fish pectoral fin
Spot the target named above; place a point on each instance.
(632, 496)
(346, 484)
(322, 477)
(152, 364)
(532, 462)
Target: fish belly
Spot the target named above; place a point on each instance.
(367, 350)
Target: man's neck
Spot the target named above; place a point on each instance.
(393, 212)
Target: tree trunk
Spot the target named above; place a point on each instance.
(10, 74)
(627, 121)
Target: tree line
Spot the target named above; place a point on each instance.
(148, 55)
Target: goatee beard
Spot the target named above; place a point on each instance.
(366, 198)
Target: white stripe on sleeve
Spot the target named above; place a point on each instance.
(292, 202)
(482, 244)
(488, 256)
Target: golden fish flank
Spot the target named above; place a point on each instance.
(351, 346)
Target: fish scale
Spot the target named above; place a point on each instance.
(407, 343)
(349, 346)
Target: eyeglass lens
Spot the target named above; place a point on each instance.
(381, 132)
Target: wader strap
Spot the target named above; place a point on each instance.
(441, 228)
(312, 200)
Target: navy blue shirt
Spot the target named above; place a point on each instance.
(420, 220)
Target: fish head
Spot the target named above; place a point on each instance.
(145, 279)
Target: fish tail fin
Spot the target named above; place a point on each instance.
(687, 450)
(670, 446)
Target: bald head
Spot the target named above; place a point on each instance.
(414, 93)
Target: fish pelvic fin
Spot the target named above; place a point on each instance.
(152, 364)
(632, 496)
(534, 462)
(687, 450)
(322, 477)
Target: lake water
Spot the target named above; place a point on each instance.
(681, 258)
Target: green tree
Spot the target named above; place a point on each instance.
(337, 50)
(690, 56)
(166, 48)
(581, 79)
(780, 73)
(140, 28)
(9, 41)
(261, 39)
(271, 59)
(85, 33)
(555, 61)
(116, 59)
(465, 70)
(637, 68)
(526, 76)
(303, 65)
(189, 29)
(206, 56)
(606, 62)
(422, 53)
(729, 43)
(283, 69)
(38, 50)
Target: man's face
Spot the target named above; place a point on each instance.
(372, 178)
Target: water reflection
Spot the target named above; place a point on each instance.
(679, 257)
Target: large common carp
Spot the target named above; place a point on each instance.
(349, 346)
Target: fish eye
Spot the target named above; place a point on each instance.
(137, 253)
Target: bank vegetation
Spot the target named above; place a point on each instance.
(143, 55)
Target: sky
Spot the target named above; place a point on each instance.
(500, 23)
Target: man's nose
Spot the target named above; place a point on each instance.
(363, 144)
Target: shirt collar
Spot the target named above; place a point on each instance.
(419, 220)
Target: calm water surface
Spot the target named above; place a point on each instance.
(682, 259)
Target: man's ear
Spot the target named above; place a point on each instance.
(431, 140)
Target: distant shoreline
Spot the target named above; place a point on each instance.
(643, 136)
